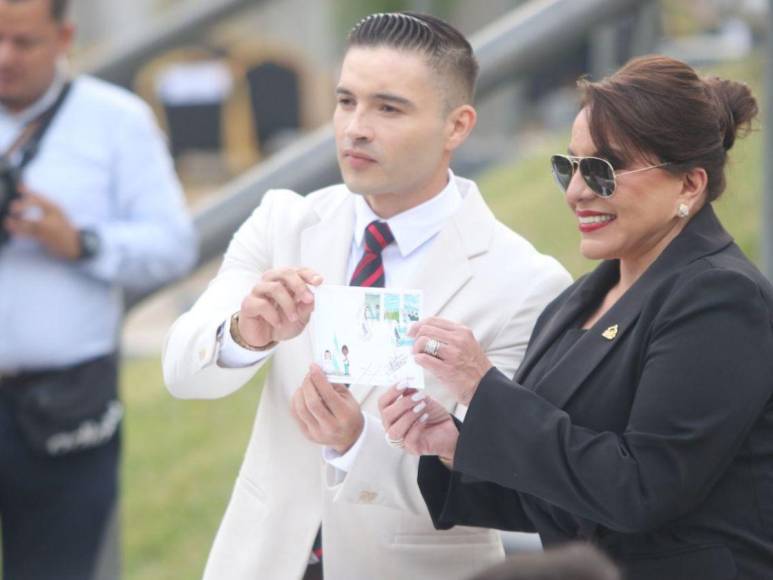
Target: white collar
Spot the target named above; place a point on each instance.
(44, 102)
(416, 225)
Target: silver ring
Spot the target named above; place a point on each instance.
(396, 443)
(432, 347)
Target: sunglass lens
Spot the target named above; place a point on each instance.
(562, 170)
(599, 175)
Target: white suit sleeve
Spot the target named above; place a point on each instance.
(192, 353)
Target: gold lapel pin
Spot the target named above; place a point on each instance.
(610, 333)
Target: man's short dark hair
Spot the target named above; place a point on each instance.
(448, 52)
(58, 8)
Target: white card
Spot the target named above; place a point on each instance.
(360, 335)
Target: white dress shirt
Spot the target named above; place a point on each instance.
(104, 162)
(414, 231)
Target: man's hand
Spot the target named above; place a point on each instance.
(422, 424)
(34, 216)
(327, 414)
(278, 307)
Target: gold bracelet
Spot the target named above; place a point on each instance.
(237, 336)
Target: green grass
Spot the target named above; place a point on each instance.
(180, 461)
(181, 457)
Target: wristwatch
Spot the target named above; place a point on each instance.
(90, 243)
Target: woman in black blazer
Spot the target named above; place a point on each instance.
(641, 418)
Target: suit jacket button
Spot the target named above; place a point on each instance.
(368, 496)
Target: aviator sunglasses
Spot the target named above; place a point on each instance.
(598, 174)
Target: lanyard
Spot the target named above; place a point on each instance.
(32, 134)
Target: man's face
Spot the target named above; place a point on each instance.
(31, 41)
(391, 124)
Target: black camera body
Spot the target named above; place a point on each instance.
(9, 191)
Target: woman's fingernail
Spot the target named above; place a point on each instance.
(424, 418)
(401, 386)
(419, 396)
(420, 407)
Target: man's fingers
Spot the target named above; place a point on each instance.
(21, 227)
(314, 403)
(304, 311)
(259, 309)
(305, 419)
(310, 276)
(332, 399)
(295, 281)
(275, 292)
(32, 199)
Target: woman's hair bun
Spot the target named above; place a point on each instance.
(736, 107)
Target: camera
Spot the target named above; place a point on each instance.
(9, 191)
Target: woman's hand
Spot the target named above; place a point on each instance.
(418, 423)
(458, 361)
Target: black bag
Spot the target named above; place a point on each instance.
(70, 410)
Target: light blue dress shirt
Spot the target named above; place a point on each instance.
(105, 163)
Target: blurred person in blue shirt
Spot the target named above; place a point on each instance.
(90, 206)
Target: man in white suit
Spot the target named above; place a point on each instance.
(318, 452)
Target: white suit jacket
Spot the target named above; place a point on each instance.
(375, 523)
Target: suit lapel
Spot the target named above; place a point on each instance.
(703, 236)
(559, 383)
(447, 266)
(587, 290)
(326, 244)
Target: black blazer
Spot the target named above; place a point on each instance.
(652, 437)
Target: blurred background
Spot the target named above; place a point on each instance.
(244, 90)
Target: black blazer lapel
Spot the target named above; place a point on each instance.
(586, 290)
(703, 236)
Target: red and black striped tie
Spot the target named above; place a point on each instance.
(370, 271)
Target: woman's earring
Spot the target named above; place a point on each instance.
(683, 211)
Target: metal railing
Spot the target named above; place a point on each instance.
(187, 22)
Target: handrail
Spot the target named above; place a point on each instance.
(119, 62)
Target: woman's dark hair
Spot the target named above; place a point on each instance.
(659, 108)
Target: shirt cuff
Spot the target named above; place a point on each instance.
(344, 462)
(231, 355)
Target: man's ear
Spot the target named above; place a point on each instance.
(66, 36)
(459, 124)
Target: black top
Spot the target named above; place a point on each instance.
(651, 435)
